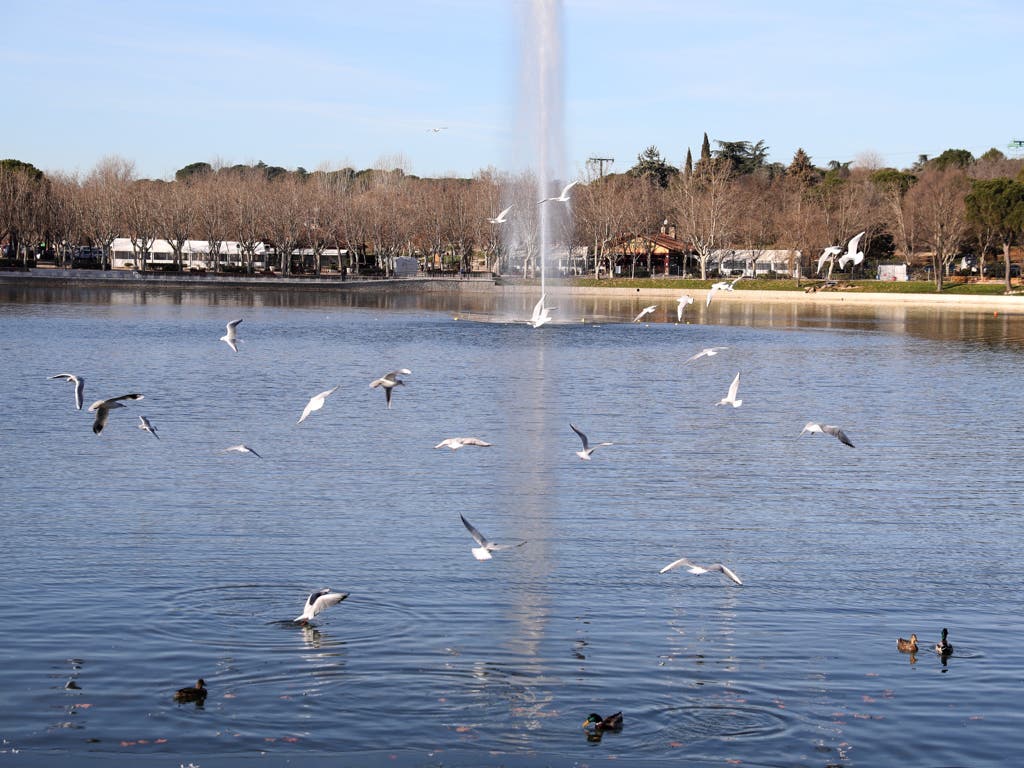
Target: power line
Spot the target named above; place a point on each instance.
(601, 161)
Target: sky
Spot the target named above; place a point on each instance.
(355, 83)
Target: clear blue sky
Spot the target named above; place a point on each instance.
(312, 84)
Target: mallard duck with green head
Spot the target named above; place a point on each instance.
(943, 647)
(610, 723)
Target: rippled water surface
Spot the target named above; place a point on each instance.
(132, 566)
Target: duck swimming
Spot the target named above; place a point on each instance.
(943, 647)
(610, 723)
(907, 646)
(192, 693)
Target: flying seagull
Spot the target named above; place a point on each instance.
(145, 426)
(827, 429)
(707, 352)
(730, 399)
(316, 403)
(500, 218)
(852, 254)
(102, 409)
(684, 301)
(587, 450)
(692, 567)
(79, 383)
(562, 198)
(230, 337)
(724, 285)
(242, 448)
(645, 311)
(438, 129)
(829, 255)
(458, 442)
(483, 552)
(319, 601)
(389, 381)
(541, 314)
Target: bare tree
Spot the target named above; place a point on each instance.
(176, 216)
(937, 205)
(213, 214)
(104, 189)
(287, 214)
(703, 208)
(138, 218)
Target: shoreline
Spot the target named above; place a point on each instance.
(999, 303)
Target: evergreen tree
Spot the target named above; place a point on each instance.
(651, 165)
(705, 149)
(688, 168)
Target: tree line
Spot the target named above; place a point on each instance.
(730, 197)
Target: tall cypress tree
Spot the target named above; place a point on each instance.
(688, 168)
(705, 149)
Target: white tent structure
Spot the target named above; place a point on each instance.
(195, 254)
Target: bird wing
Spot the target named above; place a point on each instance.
(474, 441)
(851, 247)
(231, 326)
(478, 537)
(735, 281)
(583, 437)
(734, 388)
(326, 600)
(79, 386)
(837, 433)
(676, 564)
(567, 187)
(726, 570)
(695, 357)
(501, 216)
(711, 293)
(112, 402)
(447, 442)
(231, 343)
(250, 450)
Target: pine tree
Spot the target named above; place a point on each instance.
(688, 168)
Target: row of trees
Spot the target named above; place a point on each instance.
(731, 197)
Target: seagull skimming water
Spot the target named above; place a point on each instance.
(458, 442)
(692, 567)
(231, 336)
(483, 552)
(79, 383)
(827, 429)
(102, 409)
(587, 450)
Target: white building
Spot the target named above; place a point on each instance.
(753, 263)
(194, 254)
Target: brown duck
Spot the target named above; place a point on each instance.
(192, 693)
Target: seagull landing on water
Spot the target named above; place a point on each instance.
(319, 601)
(102, 409)
(241, 448)
(145, 426)
(827, 429)
(231, 336)
(389, 381)
(587, 450)
(562, 198)
(852, 254)
(724, 285)
(707, 352)
(500, 218)
(458, 442)
(79, 383)
(316, 403)
(693, 568)
(541, 314)
(483, 552)
(684, 301)
(644, 312)
(730, 399)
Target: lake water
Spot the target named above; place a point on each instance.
(132, 566)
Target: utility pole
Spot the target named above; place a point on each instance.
(600, 163)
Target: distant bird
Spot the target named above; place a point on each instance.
(102, 409)
(438, 129)
(79, 383)
(195, 693)
(943, 648)
(231, 337)
(645, 311)
(319, 601)
(684, 301)
(610, 723)
(852, 254)
(145, 426)
(389, 381)
(692, 567)
(907, 646)
(500, 218)
(587, 450)
(827, 429)
(316, 403)
(724, 285)
(242, 448)
(707, 352)
(829, 254)
(730, 399)
(562, 198)
(458, 442)
(483, 552)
